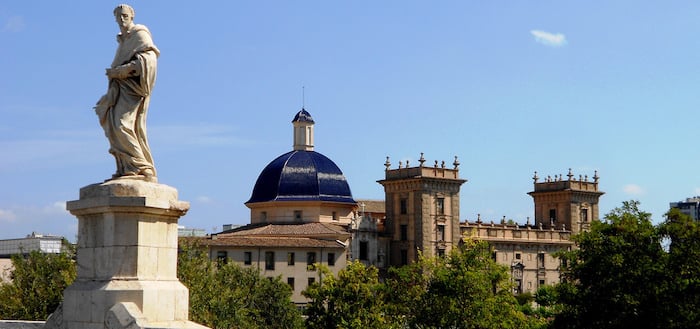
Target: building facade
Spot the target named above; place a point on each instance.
(563, 207)
(690, 207)
(302, 213)
(422, 210)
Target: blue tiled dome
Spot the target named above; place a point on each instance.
(301, 176)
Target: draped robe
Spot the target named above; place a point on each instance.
(122, 111)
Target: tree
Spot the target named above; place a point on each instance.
(682, 282)
(353, 299)
(225, 295)
(37, 285)
(614, 277)
(466, 289)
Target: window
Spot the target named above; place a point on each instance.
(222, 256)
(297, 215)
(441, 232)
(270, 260)
(517, 255)
(331, 259)
(310, 281)
(290, 282)
(404, 257)
(310, 259)
(363, 250)
(263, 216)
(584, 215)
(540, 260)
(247, 258)
(440, 253)
(404, 206)
(541, 282)
(553, 215)
(404, 232)
(334, 215)
(440, 206)
(290, 258)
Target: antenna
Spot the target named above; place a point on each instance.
(303, 98)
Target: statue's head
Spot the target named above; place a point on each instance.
(124, 14)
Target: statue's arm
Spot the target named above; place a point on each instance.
(130, 69)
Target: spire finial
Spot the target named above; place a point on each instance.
(456, 163)
(595, 176)
(535, 178)
(387, 164)
(422, 159)
(303, 98)
(570, 174)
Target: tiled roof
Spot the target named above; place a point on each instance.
(295, 229)
(373, 206)
(274, 242)
(301, 176)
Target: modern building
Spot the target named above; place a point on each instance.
(690, 207)
(23, 246)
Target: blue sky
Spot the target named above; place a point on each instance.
(510, 87)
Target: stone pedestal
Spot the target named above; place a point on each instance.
(127, 259)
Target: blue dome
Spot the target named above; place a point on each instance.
(301, 176)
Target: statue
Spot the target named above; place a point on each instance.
(122, 110)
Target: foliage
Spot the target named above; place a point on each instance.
(682, 282)
(622, 277)
(466, 289)
(225, 295)
(353, 299)
(37, 285)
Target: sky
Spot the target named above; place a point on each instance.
(510, 87)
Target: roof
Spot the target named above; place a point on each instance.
(303, 116)
(289, 230)
(301, 176)
(274, 242)
(373, 206)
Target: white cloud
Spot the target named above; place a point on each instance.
(14, 24)
(697, 191)
(549, 39)
(7, 216)
(204, 199)
(633, 189)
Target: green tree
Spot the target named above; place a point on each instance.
(37, 285)
(680, 294)
(225, 295)
(468, 289)
(614, 277)
(353, 299)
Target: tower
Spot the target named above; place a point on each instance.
(422, 210)
(569, 203)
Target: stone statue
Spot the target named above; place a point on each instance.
(122, 111)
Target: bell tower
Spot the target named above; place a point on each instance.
(569, 204)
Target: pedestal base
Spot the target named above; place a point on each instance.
(127, 256)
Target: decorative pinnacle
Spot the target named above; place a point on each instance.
(456, 163)
(570, 174)
(387, 164)
(421, 160)
(534, 178)
(596, 177)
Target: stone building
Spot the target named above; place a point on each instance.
(422, 210)
(301, 213)
(562, 207)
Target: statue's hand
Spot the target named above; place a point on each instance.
(121, 71)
